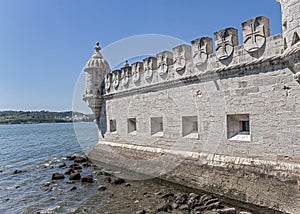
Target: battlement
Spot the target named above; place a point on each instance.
(217, 104)
(199, 58)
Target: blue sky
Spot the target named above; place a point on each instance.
(44, 44)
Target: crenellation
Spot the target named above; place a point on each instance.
(182, 56)
(150, 66)
(225, 41)
(201, 48)
(238, 106)
(164, 62)
(255, 32)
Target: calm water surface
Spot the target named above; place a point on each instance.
(38, 150)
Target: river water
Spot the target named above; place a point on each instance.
(37, 150)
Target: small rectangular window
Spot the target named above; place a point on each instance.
(238, 127)
(157, 126)
(113, 125)
(190, 127)
(132, 125)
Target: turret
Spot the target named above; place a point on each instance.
(95, 71)
(290, 22)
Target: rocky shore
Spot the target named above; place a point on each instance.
(113, 195)
(140, 197)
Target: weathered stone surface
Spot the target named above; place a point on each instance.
(250, 92)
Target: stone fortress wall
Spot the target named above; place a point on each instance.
(237, 106)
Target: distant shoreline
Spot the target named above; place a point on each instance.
(36, 117)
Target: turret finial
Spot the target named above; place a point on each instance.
(126, 63)
(97, 47)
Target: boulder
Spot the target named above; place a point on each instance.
(75, 176)
(57, 176)
(87, 179)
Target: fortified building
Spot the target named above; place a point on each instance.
(232, 114)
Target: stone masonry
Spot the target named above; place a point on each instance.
(232, 114)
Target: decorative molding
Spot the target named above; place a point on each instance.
(201, 48)
(225, 40)
(255, 32)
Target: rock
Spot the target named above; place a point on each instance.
(118, 181)
(184, 207)
(86, 164)
(227, 211)
(17, 171)
(75, 166)
(102, 188)
(107, 174)
(158, 193)
(174, 205)
(140, 212)
(70, 182)
(57, 176)
(73, 188)
(168, 196)
(80, 159)
(181, 198)
(107, 179)
(166, 207)
(204, 198)
(75, 176)
(87, 179)
(71, 157)
(210, 201)
(215, 205)
(69, 171)
(62, 165)
(46, 184)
